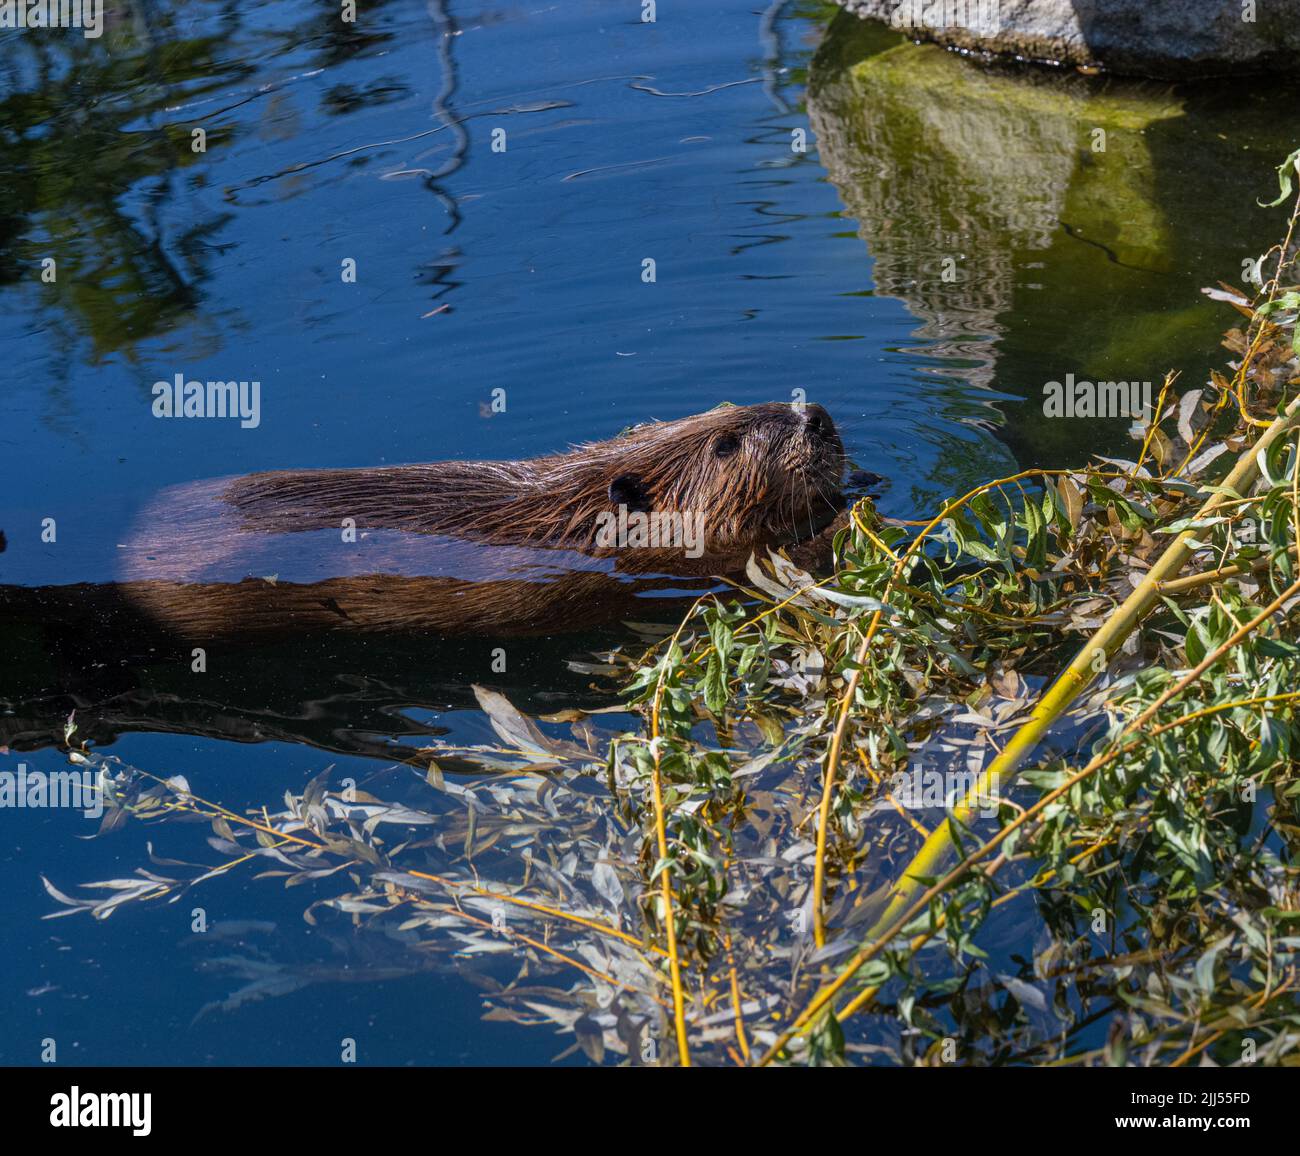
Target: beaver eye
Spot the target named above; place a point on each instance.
(726, 445)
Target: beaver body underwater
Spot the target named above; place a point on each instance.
(490, 547)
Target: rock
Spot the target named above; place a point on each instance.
(1162, 38)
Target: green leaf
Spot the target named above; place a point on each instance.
(1284, 170)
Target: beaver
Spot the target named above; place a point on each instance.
(487, 547)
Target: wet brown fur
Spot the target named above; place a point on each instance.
(776, 485)
(763, 476)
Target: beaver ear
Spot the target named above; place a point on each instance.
(627, 490)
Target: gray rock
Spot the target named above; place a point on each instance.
(1164, 38)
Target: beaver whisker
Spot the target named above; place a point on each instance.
(825, 497)
(807, 504)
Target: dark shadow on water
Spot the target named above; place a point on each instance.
(352, 695)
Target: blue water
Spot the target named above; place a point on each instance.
(477, 271)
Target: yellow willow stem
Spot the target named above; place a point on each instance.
(851, 689)
(1090, 660)
(1260, 1001)
(547, 949)
(905, 904)
(1273, 286)
(832, 761)
(530, 905)
(865, 954)
(1207, 576)
(186, 804)
(1154, 424)
(865, 996)
(738, 1013)
(665, 868)
(868, 994)
(456, 884)
(670, 923)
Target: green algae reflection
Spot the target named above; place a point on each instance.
(1076, 217)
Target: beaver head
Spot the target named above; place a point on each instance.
(752, 475)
